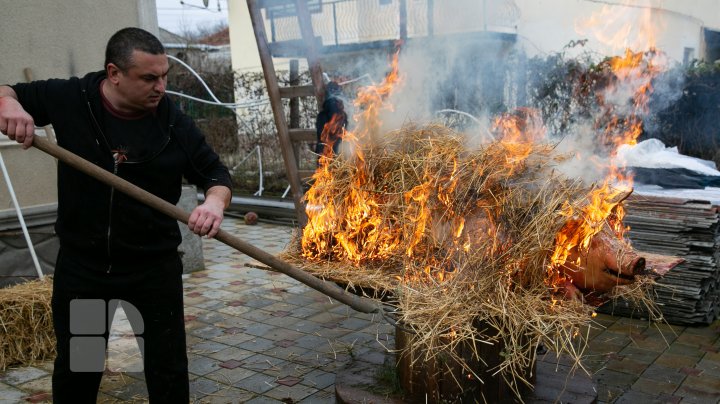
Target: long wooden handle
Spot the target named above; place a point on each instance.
(360, 304)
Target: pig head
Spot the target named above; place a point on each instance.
(607, 263)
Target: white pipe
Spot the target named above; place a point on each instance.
(20, 217)
(243, 160)
(231, 105)
(364, 76)
(286, 192)
(260, 187)
(196, 75)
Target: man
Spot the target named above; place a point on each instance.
(331, 122)
(113, 248)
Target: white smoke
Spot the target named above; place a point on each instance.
(478, 76)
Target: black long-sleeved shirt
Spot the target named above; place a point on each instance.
(94, 221)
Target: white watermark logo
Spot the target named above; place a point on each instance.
(90, 351)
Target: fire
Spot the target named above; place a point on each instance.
(517, 132)
(352, 230)
(622, 26)
(623, 103)
(371, 100)
(348, 222)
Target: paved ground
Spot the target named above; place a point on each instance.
(256, 336)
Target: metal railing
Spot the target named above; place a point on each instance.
(341, 22)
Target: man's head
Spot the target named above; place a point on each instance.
(121, 45)
(137, 68)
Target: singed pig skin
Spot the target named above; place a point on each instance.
(607, 263)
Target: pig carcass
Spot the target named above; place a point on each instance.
(610, 262)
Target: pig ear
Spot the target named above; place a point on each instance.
(657, 264)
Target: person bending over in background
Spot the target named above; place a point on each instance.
(331, 122)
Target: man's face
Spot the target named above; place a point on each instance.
(142, 86)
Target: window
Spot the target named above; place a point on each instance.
(688, 56)
(712, 45)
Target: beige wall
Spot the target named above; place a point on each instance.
(243, 48)
(546, 26)
(55, 39)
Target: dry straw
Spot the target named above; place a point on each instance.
(26, 328)
(458, 236)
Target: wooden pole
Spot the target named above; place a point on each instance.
(273, 88)
(295, 104)
(431, 17)
(362, 305)
(403, 21)
(305, 22)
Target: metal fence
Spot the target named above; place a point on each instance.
(343, 22)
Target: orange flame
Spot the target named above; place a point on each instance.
(350, 229)
(347, 224)
(632, 75)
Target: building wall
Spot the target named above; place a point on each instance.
(546, 26)
(55, 39)
(543, 26)
(243, 48)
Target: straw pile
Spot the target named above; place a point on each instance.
(457, 236)
(26, 329)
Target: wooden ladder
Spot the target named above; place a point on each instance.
(289, 138)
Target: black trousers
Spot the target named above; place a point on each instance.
(84, 297)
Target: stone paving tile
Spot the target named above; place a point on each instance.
(230, 376)
(294, 393)
(663, 374)
(264, 400)
(258, 330)
(231, 353)
(321, 397)
(258, 383)
(626, 365)
(202, 387)
(202, 365)
(676, 361)
(207, 347)
(227, 395)
(22, 375)
(282, 333)
(709, 367)
(42, 384)
(256, 344)
(131, 389)
(697, 396)
(286, 353)
(638, 397)
(233, 338)
(9, 394)
(279, 339)
(319, 379)
(650, 386)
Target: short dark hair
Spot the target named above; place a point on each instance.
(122, 44)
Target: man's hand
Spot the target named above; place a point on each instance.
(205, 219)
(15, 122)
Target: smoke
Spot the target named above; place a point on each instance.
(467, 79)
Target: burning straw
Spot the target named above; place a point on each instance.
(26, 330)
(457, 236)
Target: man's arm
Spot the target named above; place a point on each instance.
(206, 218)
(15, 122)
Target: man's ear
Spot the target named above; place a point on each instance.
(113, 73)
